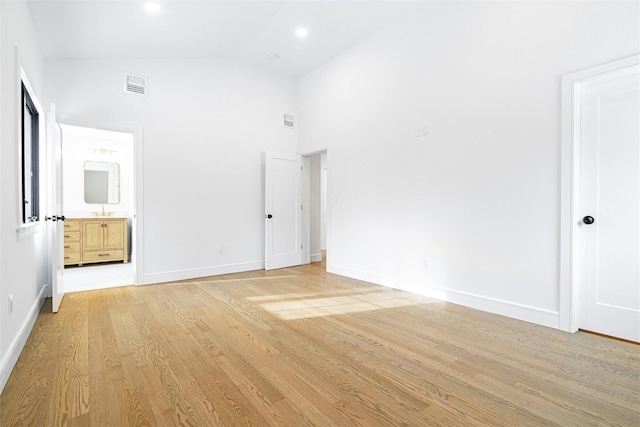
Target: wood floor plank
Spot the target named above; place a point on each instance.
(550, 375)
(79, 396)
(103, 396)
(70, 363)
(128, 406)
(315, 365)
(300, 346)
(28, 398)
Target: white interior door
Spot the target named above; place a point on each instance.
(56, 227)
(609, 205)
(283, 216)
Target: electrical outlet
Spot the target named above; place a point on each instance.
(10, 304)
(220, 249)
(425, 264)
(422, 130)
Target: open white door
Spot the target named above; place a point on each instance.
(56, 224)
(609, 204)
(283, 216)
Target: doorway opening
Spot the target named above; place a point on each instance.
(98, 172)
(318, 208)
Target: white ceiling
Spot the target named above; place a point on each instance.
(247, 30)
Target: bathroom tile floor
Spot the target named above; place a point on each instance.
(90, 277)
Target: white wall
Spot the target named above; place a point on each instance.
(2, 125)
(206, 123)
(478, 198)
(22, 254)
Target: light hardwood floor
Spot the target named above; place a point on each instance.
(298, 347)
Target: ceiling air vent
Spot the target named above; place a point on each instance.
(135, 84)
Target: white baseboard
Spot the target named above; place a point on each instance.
(194, 273)
(11, 357)
(316, 257)
(491, 305)
(510, 309)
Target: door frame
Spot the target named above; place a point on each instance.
(306, 200)
(572, 84)
(137, 241)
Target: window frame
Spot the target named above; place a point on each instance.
(30, 157)
(25, 229)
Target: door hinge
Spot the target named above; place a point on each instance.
(300, 207)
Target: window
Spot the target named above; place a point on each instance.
(30, 159)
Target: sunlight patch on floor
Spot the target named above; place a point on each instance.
(211, 282)
(329, 306)
(296, 295)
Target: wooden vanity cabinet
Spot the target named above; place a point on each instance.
(72, 253)
(104, 240)
(101, 240)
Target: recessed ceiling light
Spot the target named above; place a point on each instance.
(273, 57)
(152, 7)
(302, 33)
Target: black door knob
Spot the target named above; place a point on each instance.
(269, 216)
(60, 218)
(50, 218)
(588, 220)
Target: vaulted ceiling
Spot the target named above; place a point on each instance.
(247, 30)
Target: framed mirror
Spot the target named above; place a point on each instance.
(101, 183)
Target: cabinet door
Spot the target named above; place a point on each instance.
(113, 234)
(92, 234)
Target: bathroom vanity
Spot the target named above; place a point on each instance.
(94, 240)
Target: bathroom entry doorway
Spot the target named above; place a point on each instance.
(316, 198)
(98, 175)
